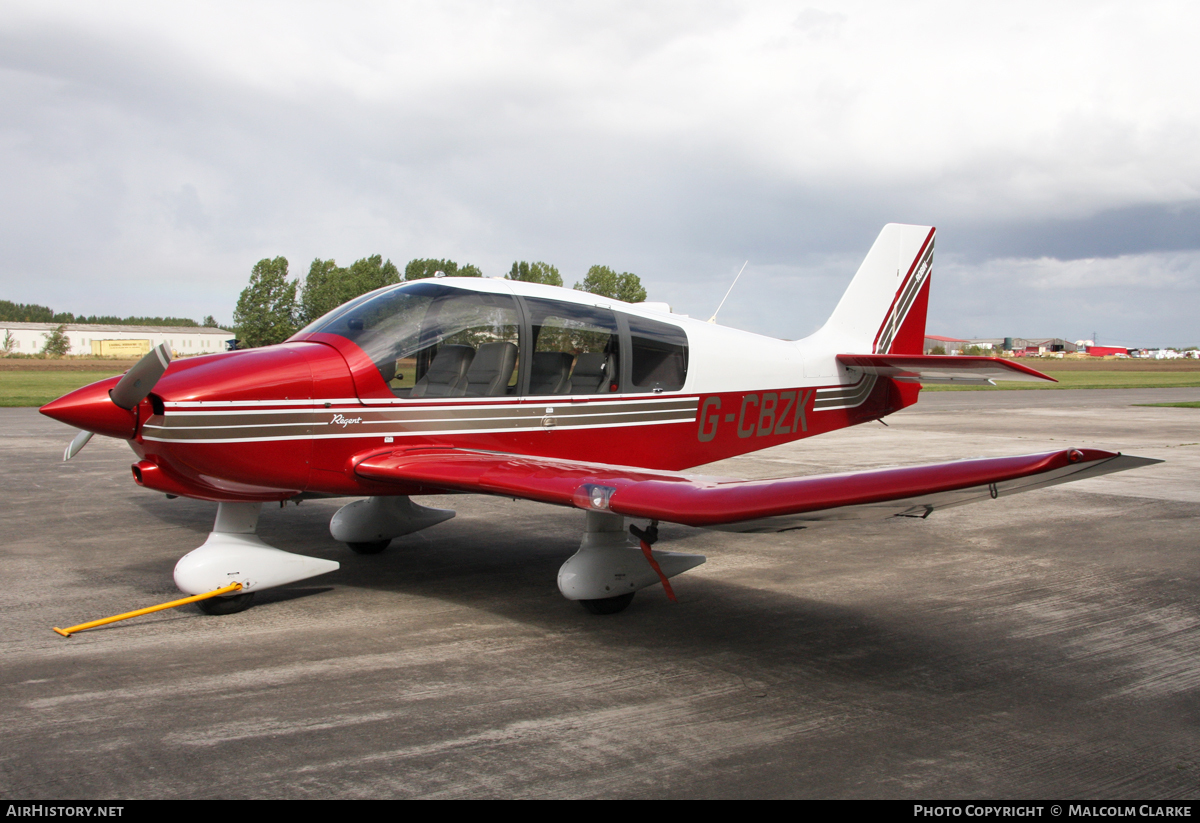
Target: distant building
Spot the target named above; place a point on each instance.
(1107, 351)
(1017, 345)
(118, 341)
(1028, 345)
(951, 345)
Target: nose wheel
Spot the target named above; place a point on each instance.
(233, 551)
(226, 605)
(371, 547)
(608, 605)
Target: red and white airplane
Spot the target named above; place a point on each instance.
(522, 390)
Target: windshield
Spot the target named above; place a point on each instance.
(430, 340)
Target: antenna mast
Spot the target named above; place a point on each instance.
(713, 319)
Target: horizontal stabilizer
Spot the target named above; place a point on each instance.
(936, 368)
(742, 505)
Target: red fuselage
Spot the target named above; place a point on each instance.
(272, 423)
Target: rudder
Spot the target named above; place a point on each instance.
(883, 310)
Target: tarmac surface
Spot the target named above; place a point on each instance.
(1045, 645)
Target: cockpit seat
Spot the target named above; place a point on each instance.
(551, 372)
(447, 373)
(590, 374)
(490, 371)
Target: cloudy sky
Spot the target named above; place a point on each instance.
(152, 152)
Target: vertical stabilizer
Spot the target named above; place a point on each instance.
(883, 310)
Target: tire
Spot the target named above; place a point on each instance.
(226, 605)
(373, 547)
(608, 605)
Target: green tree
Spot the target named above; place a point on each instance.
(368, 274)
(322, 290)
(210, 322)
(535, 273)
(329, 285)
(604, 281)
(25, 313)
(266, 309)
(419, 269)
(57, 344)
(33, 313)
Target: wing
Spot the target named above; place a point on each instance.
(932, 368)
(741, 505)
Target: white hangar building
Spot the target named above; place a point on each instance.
(117, 341)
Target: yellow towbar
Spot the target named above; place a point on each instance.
(232, 587)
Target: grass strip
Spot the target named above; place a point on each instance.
(1092, 380)
(37, 388)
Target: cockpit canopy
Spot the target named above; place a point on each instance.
(430, 339)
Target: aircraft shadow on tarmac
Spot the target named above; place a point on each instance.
(510, 574)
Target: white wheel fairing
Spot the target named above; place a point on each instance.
(607, 566)
(596, 574)
(243, 558)
(382, 518)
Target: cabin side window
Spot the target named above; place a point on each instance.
(576, 349)
(659, 355)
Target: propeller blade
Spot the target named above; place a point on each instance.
(138, 381)
(77, 445)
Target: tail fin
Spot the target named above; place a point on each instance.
(883, 310)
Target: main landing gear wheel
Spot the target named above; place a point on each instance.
(226, 605)
(608, 605)
(373, 547)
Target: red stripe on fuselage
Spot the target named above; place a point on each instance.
(899, 292)
(725, 424)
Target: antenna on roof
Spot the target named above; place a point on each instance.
(713, 319)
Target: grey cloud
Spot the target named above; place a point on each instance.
(128, 156)
(1129, 230)
(1134, 300)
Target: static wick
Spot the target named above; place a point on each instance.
(713, 319)
(230, 589)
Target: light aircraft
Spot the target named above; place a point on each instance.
(522, 390)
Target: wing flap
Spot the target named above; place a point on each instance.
(923, 505)
(741, 505)
(935, 368)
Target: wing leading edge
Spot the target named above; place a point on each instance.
(742, 505)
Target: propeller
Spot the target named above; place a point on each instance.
(76, 445)
(139, 381)
(130, 390)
